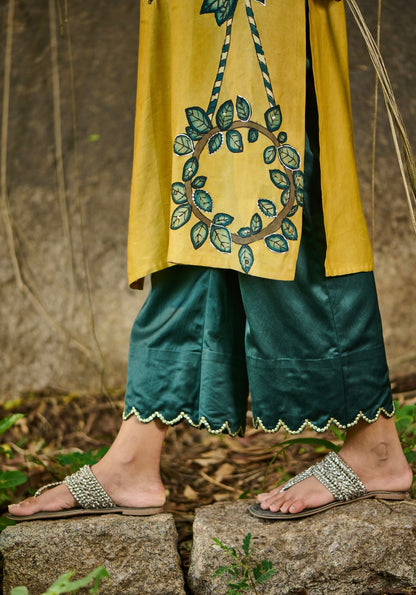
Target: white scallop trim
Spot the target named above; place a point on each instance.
(332, 421)
(183, 416)
(258, 423)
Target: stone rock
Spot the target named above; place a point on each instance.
(365, 547)
(139, 553)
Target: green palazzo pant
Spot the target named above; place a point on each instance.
(310, 351)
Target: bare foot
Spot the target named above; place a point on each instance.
(373, 451)
(129, 473)
(123, 489)
(58, 498)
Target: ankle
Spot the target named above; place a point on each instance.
(381, 451)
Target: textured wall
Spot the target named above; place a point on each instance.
(37, 351)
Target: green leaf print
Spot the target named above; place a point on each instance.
(298, 179)
(256, 224)
(244, 232)
(269, 154)
(193, 134)
(246, 258)
(289, 230)
(284, 199)
(279, 179)
(211, 5)
(223, 219)
(267, 207)
(199, 234)
(225, 115)
(223, 9)
(180, 216)
(220, 238)
(234, 141)
(292, 211)
(198, 119)
(178, 193)
(289, 157)
(299, 196)
(199, 182)
(203, 201)
(189, 169)
(243, 109)
(273, 118)
(226, 12)
(215, 143)
(282, 137)
(253, 135)
(276, 243)
(183, 145)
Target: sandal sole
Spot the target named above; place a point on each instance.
(258, 512)
(72, 512)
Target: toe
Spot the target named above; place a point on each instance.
(28, 506)
(58, 498)
(297, 506)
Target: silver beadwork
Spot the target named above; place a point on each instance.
(47, 487)
(85, 488)
(343, 483)
(87, 491)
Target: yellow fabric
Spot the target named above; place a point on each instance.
(179, 56)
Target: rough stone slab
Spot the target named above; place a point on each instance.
(364, 547)
(139, 553)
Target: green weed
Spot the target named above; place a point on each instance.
(73, 461)
(244, 577)
(9, 480)
(65, 585)
(405, 417)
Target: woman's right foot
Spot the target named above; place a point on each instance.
(129, 473)
(60, 498)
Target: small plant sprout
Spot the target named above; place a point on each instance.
(243, 576)
(64, 584)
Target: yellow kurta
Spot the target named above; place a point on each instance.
(219, 138)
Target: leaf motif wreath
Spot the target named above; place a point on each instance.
(230, 120)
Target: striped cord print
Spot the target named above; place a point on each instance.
(221, 68)
(260, 54)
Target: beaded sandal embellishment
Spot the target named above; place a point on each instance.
(91, 497)
(339, 479)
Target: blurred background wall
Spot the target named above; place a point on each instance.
(66, 255)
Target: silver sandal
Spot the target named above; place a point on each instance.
(90, 495)
(338, 478)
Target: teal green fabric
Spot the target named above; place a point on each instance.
(310, 351)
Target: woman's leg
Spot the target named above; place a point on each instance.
(186, 361)
(373, 451)
(129, 472)
(339, 325)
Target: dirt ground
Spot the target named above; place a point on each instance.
(197, 468)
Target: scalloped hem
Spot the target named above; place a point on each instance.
(308, 425)
(202, 424)
(226, 429)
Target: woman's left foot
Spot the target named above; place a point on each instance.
(374, 453)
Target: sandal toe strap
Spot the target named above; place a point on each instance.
(338, 478)
(87, 490)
